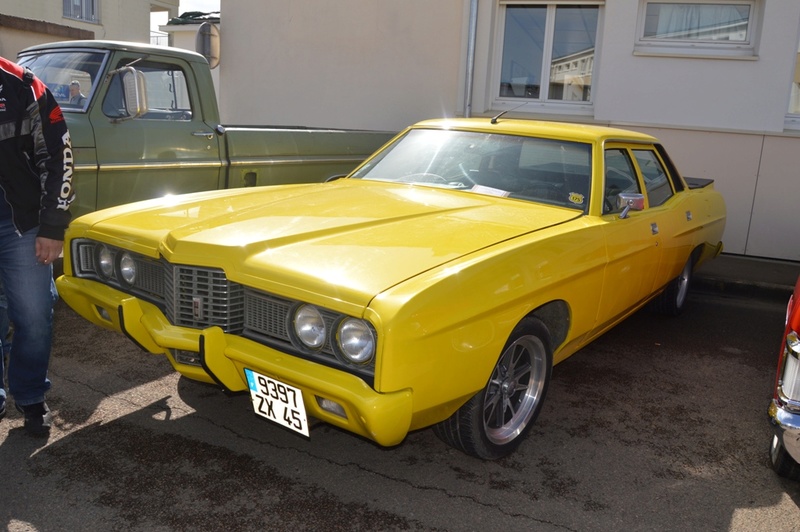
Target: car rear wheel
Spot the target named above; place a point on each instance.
(672, 300)
(783, 464)
(495, 421)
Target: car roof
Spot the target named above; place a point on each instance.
(538, 128)
(105, 45)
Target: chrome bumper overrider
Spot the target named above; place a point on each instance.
(786, 425)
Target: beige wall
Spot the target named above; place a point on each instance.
(373, 64)
(29, 22)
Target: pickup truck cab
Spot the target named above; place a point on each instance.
(149, 126)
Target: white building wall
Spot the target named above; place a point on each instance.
(749, 94)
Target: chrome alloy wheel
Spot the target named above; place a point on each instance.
(515, 389)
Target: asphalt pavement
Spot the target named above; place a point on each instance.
(660, 424)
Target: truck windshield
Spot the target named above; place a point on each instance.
(541, 170)
(70, 75)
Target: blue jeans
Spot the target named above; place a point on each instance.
(30, 293)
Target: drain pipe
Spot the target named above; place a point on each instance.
(468, 82)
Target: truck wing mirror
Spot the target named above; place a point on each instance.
(134, 92)
(628, 202)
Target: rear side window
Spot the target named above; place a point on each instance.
(656, 181)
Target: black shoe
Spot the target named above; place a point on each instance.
(2, 407)
(37, 418)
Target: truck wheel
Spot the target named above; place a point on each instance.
(672, 300)
(783, 464)
(495, 421)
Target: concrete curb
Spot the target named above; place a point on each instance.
(741, 276)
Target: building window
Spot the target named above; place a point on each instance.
(548, 51)
(85, 10)
(697, 27)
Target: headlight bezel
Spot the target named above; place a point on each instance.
(312, 331)
(127, 268)
(106, 259)
(364, 334)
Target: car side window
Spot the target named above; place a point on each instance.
(656, 182)
(620, 176)
(167, 93)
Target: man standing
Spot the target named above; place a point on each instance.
(35, 195)
(75, 96)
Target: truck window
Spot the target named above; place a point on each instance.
(58, 70)
(167, 93)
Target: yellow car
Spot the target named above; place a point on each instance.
(437, 285)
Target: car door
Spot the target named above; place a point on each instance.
(633, 240)
(671, 211)
(169, 150)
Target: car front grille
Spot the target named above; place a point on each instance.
(203, 297)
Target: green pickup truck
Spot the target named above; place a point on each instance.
(144, 123)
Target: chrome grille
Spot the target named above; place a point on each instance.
(203, 297)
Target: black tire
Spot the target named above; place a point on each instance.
(783, 464)
(518, 385)
(672, 301)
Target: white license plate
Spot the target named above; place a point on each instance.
(277, 401)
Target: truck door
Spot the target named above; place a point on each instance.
(168, 150)
(633, 243)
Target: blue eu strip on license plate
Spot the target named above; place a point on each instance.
(277, 401)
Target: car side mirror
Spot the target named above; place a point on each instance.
(628, 201)
(134, 92)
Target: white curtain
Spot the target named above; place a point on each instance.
(701, 22)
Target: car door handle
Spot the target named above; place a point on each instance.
(207, 134)
(654, 228)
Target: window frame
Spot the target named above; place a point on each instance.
(89, 10)
(792, 120)
(561, 107)
(717, 49)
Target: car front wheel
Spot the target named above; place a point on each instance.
(783, 464)
(495, 421)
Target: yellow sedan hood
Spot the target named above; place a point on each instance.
(345, 241)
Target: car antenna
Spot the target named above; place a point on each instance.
(494, 118)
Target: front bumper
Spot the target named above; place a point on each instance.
(382, 417)
(786, 425)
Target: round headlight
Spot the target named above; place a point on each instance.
(127, 268)
(105, 261)
(309, 326)
(356, 341)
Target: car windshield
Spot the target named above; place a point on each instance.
(70, 75)
(554, 172)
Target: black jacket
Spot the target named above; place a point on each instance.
(35, 153)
